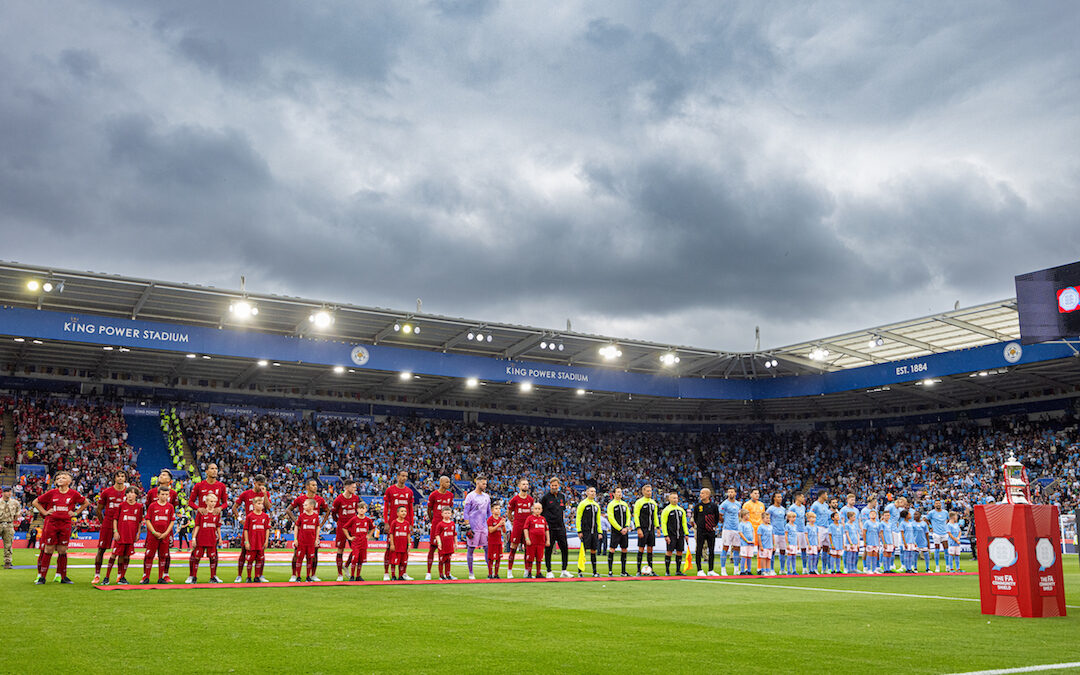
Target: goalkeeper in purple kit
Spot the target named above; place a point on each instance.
(477, 511)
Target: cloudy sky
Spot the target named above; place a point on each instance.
(671, 171)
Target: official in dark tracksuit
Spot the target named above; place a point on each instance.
(706, 519)
(554, 510)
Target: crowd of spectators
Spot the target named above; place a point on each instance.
(958, 462)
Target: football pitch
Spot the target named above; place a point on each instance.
(754, 625)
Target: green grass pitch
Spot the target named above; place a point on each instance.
(740, 625)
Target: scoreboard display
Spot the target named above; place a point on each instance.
(1048, 302)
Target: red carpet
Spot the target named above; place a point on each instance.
(419, 582)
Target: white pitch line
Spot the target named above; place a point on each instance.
(845, 590)
(1025, 669)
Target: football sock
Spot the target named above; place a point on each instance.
(678, 563)
(736, 558)
(108, 568)
(592, 557)
(639, 559)
(61, 564)
(469, 558)
(622, 561)
(212, 557)
(240, 562)
(430, 558)
(802, 556)
(340, 559)
(723, 558)
(386, 561)
(193, 561)
(122, 567)
(648, 556)
(667, 564)
(98, 560)
(148, 564)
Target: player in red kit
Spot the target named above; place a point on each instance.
(496, 529)
(59, 506)
(436, 501)
(343, 510)
(108, 502)
(256, 529)
(241, 508)
(518, 510)
(398, 544)
(126, 526)
(397, 495)
(445, 533)
(164, 483)
(207, 538)
(360, 529)
(160, 516)
(311, 491)
(306, 541)
(537, 538)
(210, 486)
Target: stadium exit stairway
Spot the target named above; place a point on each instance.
(144, 433)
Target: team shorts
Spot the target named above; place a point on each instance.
(647, 538)
(897, 539)
(812, 550)
(765, 553)
(517, 536)
(121, 550)
(939, 539)
(619, 540)
(590, 540)
(534, 552)
(954, 550)
(105, 536)
(730, 538)
(923, 549)
(159, 546)
(678, 544)
(822, 533)
(851, 549)
(306, 549)
(803, 540)
(747, 551)
(399, 557)
(911, 547)
(56, 534)
(341, 540)
(360, 553)
(781, 544)
(872, 550)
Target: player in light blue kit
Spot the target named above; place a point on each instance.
(799, 509)
(812, 545)
(952, 557)
(778, 517)
(765, 543)
(922, 539)
(746, 542)
(907, 535)
(939, 533)
(851, 543)
(894, 508)
(888, 548)
(729, 533)
(864, 517)
(836, 542)
(791, 534)
(820, 509)
(872, 532)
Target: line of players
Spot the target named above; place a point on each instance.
(822, 533)
(824, 537)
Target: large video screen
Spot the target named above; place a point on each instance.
(1049, 304)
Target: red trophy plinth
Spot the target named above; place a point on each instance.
(1019, 560)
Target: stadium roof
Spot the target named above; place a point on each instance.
(114, 295)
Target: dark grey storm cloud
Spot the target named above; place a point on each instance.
(679, 173)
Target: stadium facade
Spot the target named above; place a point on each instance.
(91, 333)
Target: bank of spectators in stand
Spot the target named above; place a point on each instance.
(89, 440)
(958, 461)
